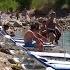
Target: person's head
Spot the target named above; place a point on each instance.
(40, 19)
(5, 26)
(52, 14)
(34, 26)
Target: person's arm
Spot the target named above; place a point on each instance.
(38, 40)
(42, 37)
(58, 27)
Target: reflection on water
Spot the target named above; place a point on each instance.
(65, 40)
(20, 32)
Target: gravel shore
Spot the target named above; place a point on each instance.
(4, 63)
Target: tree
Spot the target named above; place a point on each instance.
(24, 4)
(58, 4)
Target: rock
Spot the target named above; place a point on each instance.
(5, 51)
(11, 61)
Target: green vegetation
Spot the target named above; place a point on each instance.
(21, 4)
(38, 4)
(5, 5)
(51, 3)
(24, 4)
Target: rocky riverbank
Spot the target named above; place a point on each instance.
(4, 63)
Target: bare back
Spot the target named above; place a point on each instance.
(28, 36)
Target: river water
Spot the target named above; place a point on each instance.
(64, 41)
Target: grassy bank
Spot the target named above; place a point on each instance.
(38, 3)
(21, 4)
(7, 4)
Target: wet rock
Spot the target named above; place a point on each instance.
(11, 61)
(5, 51)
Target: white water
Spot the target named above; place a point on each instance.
(64, 41)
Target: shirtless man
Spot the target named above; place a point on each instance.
(33, 35)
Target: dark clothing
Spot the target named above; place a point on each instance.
(30, 44)
(51, 29)
(50, 24)
(57, 33)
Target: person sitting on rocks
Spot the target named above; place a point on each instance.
(33, 35)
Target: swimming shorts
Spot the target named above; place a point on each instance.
(30, 44)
